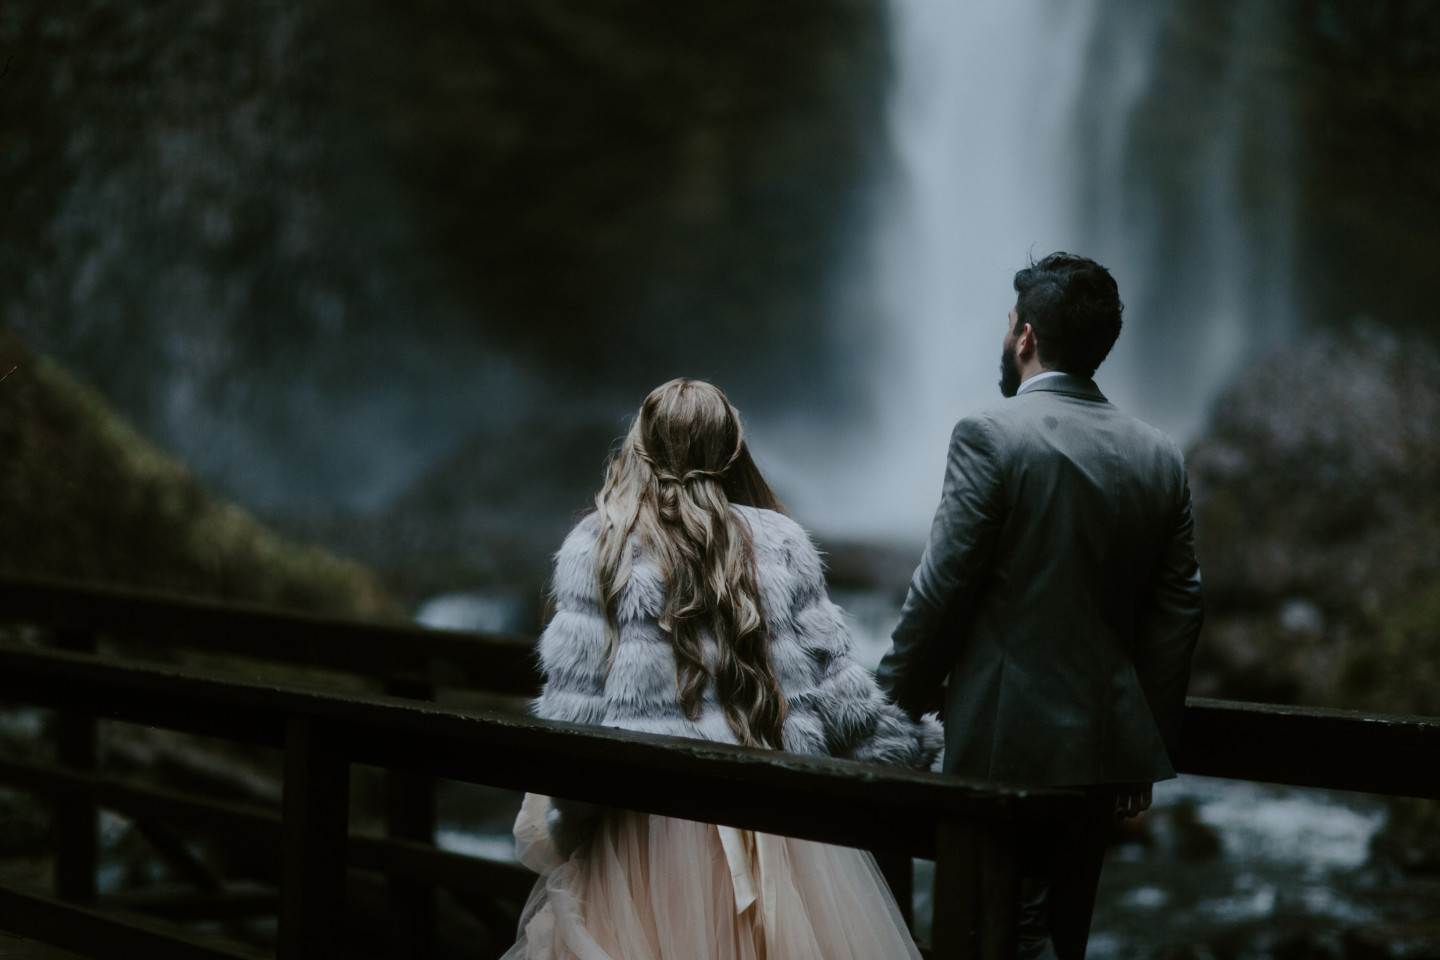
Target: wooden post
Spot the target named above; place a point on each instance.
(1080, 851)
(899, 872)
(410, 815)
(999, 926)
(956, 893)
(76, 824)
(316, 810)
(178, 857)
(977, 891)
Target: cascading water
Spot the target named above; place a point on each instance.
(978, 107)
(1013, 127)
(1182, 136)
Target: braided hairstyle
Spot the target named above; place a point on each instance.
(670, 487)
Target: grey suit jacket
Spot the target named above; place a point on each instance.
(1059, 592)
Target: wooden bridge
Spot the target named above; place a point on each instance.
(94, 654)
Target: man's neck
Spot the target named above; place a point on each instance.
(1036, 377)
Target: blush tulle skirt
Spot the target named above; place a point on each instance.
(645, 887)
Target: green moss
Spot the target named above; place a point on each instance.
(1398, 671)
(84, 496)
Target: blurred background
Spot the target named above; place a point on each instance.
(341, 306)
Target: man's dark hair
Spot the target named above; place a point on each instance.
(1073, 305)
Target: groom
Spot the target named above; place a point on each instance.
(1059, 593)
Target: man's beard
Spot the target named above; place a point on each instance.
(1009, 374)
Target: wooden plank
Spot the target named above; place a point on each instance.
(245, 823)
(1312, 747)
(818, 798)
(410, 815)
(104, 936)
(316, 826)
(810, 797)
(1078, 853)
(1303, 746)
(250, 824)
(75, 825)
(977, 891)
(956, 895)
(180, 858)
(233, 903)
(999, 920)
(499, 879)
(501, 663)
(899, 871)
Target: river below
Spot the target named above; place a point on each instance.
(1219, 869)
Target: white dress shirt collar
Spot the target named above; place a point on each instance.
(1042, 375)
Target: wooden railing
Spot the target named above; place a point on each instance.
(402, 660)
(1312, 747)
(78, 615)
(322, 732)
(968, 828)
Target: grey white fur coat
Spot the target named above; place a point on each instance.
(834, 705)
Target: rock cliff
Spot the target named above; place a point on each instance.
(83, 496)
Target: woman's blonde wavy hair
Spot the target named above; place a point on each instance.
(670, 485)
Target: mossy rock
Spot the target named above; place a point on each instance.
(1399, 666)
(1317, 496)
(83, 496)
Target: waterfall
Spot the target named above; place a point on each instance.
(1020, 127)
(1187, 193)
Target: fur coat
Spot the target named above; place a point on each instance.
(834, 706)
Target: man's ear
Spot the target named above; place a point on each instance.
(1025, 342)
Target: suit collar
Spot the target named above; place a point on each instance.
(1070, 385)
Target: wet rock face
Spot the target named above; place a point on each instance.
(1330, 447)
(1317, 493)
(85, 497)
(301, 244)
(1366, 93)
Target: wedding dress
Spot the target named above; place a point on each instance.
(645, 887)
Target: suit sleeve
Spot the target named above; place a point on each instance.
(962, 538)
(1170, 624)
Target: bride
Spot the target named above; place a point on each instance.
(689, 604)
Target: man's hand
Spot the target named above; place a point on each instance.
(1132, 799)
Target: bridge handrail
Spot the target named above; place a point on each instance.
(1302, 746)
(968, 827)
(1311, 747)
(501, 663)
(695, 779)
